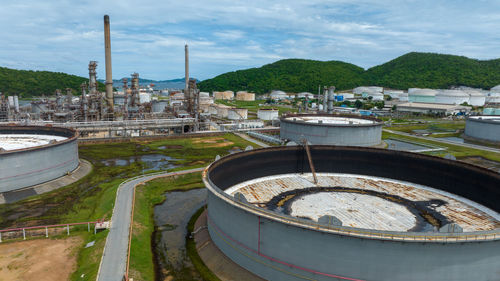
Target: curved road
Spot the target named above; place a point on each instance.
(114, 259)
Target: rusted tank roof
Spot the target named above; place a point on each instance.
(362, 210)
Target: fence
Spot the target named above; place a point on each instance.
(33, 231)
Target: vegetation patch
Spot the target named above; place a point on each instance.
(142, 265)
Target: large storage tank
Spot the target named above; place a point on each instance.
(331, 129)
(422, 95)
(245, 96)
(268, 114)
(493, 97)
(226, 95)
(372, 214)
(476, 97)
(483, 128)
(237, 114)
(159, 105)
(452, 97)
(278, 95)
(30, 155)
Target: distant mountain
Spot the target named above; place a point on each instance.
(28, 83)
(159, 84)
(422, 70)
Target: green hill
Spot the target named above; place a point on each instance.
(427, 70)
(291, 75)
(27, 83)
(422, 70)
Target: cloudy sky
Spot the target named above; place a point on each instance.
(148, 36)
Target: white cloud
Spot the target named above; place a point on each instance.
(227, 35)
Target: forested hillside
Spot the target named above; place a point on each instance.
(291, 75)
(27, 83)
(422, 70)
(425, 70)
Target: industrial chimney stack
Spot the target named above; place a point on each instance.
(107, 50)
(186, 63)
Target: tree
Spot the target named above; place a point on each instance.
(358, 104)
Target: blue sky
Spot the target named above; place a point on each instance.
(148, 36)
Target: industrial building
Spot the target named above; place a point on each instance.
(432, 108)
(329, 129)
(267, 114)
(350, 213)
(30, 155)
(483, 128)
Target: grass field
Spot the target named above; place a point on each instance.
(449, 127)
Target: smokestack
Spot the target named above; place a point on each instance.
(186, 63)
(107, 52)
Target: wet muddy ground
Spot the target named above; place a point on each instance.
(171, 219)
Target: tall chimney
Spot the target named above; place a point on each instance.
(186, 64)
(107, 52)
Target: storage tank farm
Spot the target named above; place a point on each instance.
(324, 212)
(31, 155)
(331, 129)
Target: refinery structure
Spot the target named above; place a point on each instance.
(335, 213)
(329, 202)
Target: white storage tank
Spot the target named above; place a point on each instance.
(268, 114)
(452, 97)
(304, 95)
(493, 97)
(477, 98)
(278, 95)
(237, 114)
(245, 96)
(422, 95)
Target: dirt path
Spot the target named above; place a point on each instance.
(40, 260)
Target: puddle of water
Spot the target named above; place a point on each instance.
(454, 139)
(172, 217)
(234, 150)
(151, 161)
(403, 146)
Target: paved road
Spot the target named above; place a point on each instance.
(246, 137)
(114, 260)
(468, 145)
